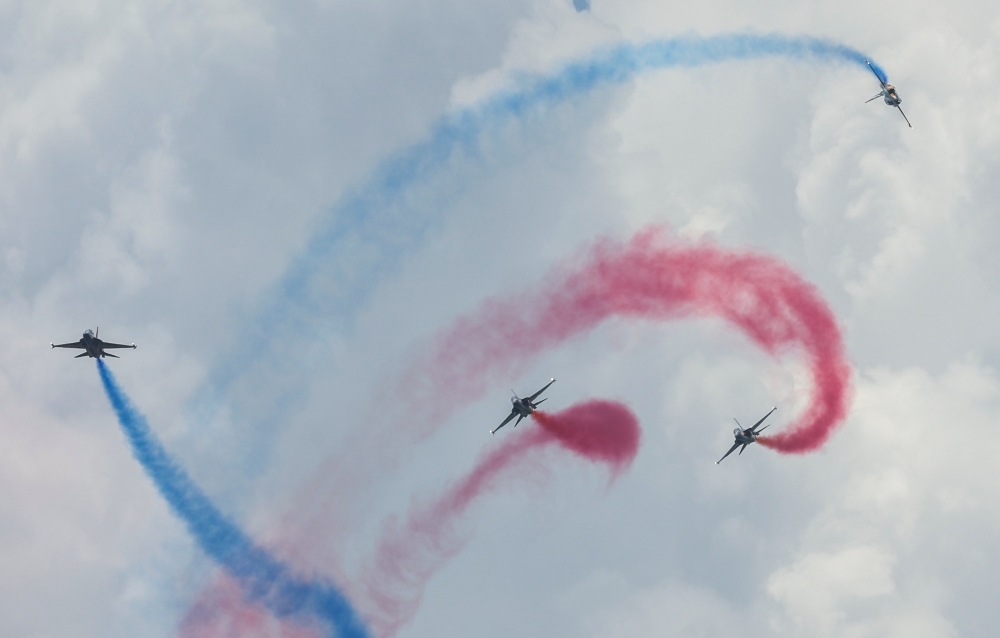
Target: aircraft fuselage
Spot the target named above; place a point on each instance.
(890, 96)
(92, 345)
(523, 407)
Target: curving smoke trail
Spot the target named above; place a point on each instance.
(648, 277)
(262, 578)
(380, 221)
(409, 554)
(363, 214)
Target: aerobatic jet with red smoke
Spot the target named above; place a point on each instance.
(522, 407)
(746, 436)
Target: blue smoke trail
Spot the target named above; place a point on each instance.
(373, 227)
(378, 222)
(262, 578)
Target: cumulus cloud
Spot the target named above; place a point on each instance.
(163, 164)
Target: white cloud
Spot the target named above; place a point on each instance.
(818, 588)
(162, 163)
(668, 610)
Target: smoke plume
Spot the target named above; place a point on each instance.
(262, 578)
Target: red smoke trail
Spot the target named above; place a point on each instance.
(408, 554)
(654, 278)
(223, 612)
(649, 277)
(599, 430)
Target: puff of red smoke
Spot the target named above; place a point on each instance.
(409, 552)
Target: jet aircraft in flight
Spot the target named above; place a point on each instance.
(92, 346)
(888, 94)
(522, 407)
(746, 436)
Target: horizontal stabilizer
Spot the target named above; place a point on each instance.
(81, 355)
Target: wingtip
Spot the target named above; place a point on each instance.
(716, 462)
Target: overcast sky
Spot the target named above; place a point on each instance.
(163, 165)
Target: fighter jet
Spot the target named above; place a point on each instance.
(522, 407)
(747, 436)
(92, 346)
(888, 94)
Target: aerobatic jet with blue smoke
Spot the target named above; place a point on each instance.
(888, 92)
(92, 346)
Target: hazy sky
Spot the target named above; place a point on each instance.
(163, 166)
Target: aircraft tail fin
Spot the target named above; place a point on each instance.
(81, 355)
(108, 354)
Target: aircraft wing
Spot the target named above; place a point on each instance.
(753, 428)
(535, 395)
(880, 80)
(735, 445)
(75, 344)
(904, 116)
(505, 422)
(105, 345)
